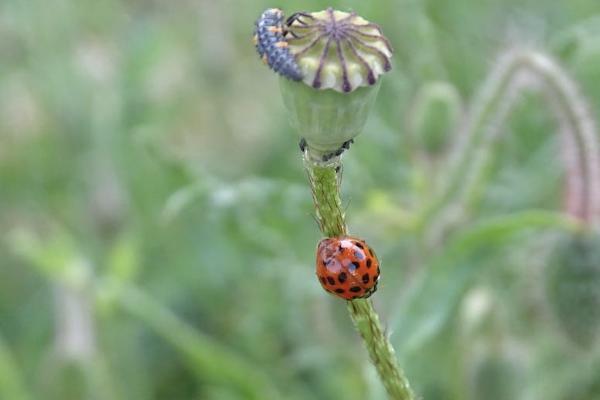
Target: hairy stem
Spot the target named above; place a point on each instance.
(325, 180)
(582, 141)
(581, 156)
(382, 354)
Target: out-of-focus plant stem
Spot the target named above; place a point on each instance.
(465, 178)
(11, 383)
(325, 184)
(206, 357)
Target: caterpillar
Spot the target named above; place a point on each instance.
(272, 46)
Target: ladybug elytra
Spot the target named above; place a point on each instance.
(347, 267)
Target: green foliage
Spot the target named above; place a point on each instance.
(435, 116)
(495, 380)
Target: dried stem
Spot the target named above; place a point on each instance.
(325, 179)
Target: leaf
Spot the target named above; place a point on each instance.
(435, 296)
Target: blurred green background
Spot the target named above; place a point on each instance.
(157, 239)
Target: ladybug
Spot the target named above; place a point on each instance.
(347, 267)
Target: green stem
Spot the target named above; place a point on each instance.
(12, 385)
(382, 354)
(466, 178)
(325, 180)
(325, 184)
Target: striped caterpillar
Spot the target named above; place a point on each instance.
(272, 46)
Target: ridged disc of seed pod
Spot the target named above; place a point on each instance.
(573, 287)
(342, 57)
(338, 50)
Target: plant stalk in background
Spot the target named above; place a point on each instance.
(516, 71)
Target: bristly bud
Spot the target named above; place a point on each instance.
(338, 50)
(573, 287)
(342, 57)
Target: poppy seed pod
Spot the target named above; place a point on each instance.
(341, 57)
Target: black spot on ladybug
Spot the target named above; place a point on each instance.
(342, 277)
(355, 265)
(338, 290)
(365, 278)
(330, 280)
(355, 289)
(369, 262)
(358, 244)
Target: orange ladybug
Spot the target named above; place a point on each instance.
(347, 267)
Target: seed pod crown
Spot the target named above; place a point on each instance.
(337, 50)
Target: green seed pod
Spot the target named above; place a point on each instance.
(573, 287)
(435, 115)
(327, 119)
(341, 57)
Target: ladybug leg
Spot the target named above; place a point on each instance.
(296, 17)
(292, 18)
